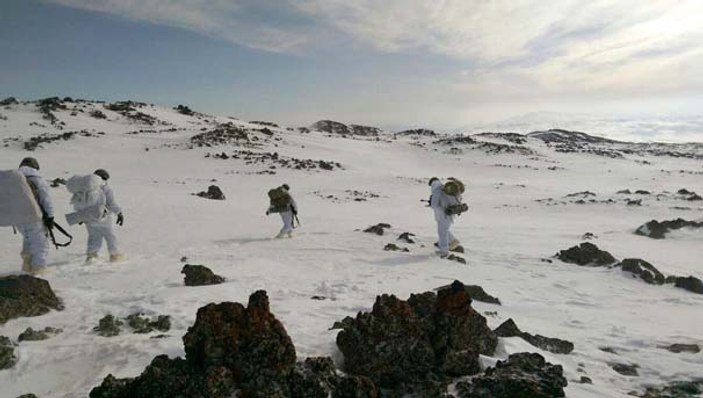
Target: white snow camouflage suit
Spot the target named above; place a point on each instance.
(35, 244)
(102, 229)
(439, 203)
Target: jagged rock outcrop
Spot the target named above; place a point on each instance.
(108, 326)
(25, 295)
(377, 229)
(213, 192)
(415, 346)
(232, 349)
(643, 270)
(676, 389)
(554, 345)
(475, 292)
(586, 254)
(679, 348)
(337, 128)
(35, 335)
(143, 324)
(9, 101)
(525, 375)
(658, 230)
(200, 275)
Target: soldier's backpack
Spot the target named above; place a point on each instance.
(88, 199)
(279, 199)
(453, 189)
(18, 205)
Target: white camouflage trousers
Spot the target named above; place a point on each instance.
(444, 235)
(97, 231)
(287, 218)
(35, 243)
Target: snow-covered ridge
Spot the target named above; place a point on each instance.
(528, 198)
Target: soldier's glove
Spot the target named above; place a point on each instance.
(120, 219)
(448, 211)
(268, 212)
(48, 222)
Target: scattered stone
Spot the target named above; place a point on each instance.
(554, 345)
(273, 161)
(35, 142)
(213, 192)
(25, 295)
(160, 336)
(35, 335)
(475, 292)
(586, 254)
(642, 269)
(657, 230)
(609, 350)
(108, 326)
(200, 275)
(142, 324)
(642, 192)
(631, 202)
(589, 236)
(320, 298)
(521, 375)
(417, 133)
(7, 353)
(679, 348)
(98, 114)
(418, 344)
(625, 369)
(624, 192)
(676, 389)
(407, 237)
(336, 128)
(584, 194)
(224, 134)
(377, 229)
(585, 380)
(396, 248)
(457, 259)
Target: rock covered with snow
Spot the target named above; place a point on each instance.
(200, 275)
(213, 192)
(586, 254)
(551, 344)
(643, 270)
(658, 230)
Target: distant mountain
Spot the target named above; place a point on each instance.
(565, 136)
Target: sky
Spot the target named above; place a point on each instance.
(390, 63)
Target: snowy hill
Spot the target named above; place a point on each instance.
(530, 196)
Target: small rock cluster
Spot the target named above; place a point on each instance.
(273, 161)
(7, 353)
(213, 192)
(36, 335)
(378, 229)
(226, 134)
(337, 128)
(35, 142)
(200, 275)
(588, 254)
(110, 326)
(25, 295)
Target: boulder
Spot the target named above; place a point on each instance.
(9, 101)
(200, 275)
(657, 230)
(213, 192)
(7, 353)
(525, 375)
(625, 369)
(679, 348)
(415, 346)
(643, 270)
(690, 283)
(318, 378)
(676, 389)
(143, 324)
(586, 254)
(554, 345)
(407, 237)
(395, 248)
(25, 295)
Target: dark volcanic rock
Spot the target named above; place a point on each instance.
(690, 283)
(27, 396)
(452, 257)
(7, 353)
(642, 269)
(25, 295)
(332, 127)
(679, 348)
(35, 335)
(586, 254)
(184, 110)
(416, 345)
(677, 389)
(108, 326)
(200, 275)
(395, 248)
(557, 346)
(625, 369)
(657, 230)
(143, 324)
(317, 378)
(377, 229)
(407, 237)
(524, 375)
(475, 292)
(9, 101)
(247, 341)
(213, 192)
(98, 114)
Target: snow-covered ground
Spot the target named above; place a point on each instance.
(507, 234)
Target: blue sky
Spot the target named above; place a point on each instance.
(396, 63)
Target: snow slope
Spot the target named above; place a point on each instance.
(508, 234)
